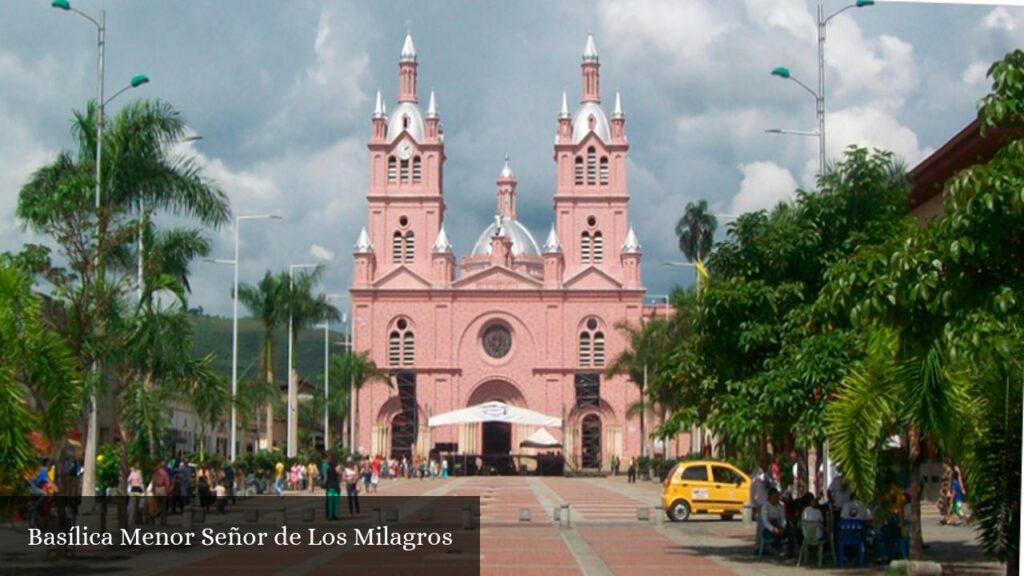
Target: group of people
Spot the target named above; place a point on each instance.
(171, 486)
(369, 471)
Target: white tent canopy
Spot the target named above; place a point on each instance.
(541, 439)
(494, 412)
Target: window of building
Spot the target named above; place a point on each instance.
(591, 166)
(405, 171)
(396, 247)
(579, 170)
(410, 246)
(416, 170)
(585, 247)
(408, 349)
(604, 170)
(585, 349)
(395, 348)
(598, 248)
(599, 349)
(497, 341)
(401, 345)
(392, 169)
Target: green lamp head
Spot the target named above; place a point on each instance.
(781, 72)
(139, 80)
(62, 4)
(863, 3)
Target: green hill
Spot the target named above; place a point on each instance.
(213, 335)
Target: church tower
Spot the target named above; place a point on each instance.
(591, 196)
(406, 192)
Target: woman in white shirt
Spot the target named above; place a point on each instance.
(350, 475)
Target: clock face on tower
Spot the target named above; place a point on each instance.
(405, 150)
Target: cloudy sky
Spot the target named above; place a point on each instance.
(282, 94)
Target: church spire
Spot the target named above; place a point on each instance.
(378, 109)
(507, 192)
(591, 73)
(564, 112)
(407, 71)
(432, 107)
(618, 107)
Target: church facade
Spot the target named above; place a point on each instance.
(531, 325)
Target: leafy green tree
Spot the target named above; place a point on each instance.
(349, 374)
(40, 388)
(950, 294)
(267, 301)
(696, 231)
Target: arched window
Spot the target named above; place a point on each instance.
(392, 169)
(405, 122)
(604, 170)
(408, 349)
(598, 251)
(410, 246)
(591, 166)
(416, 172)
(585, 247)
(396, 247)
(599, 349)
(579, 170)
(585, 349)
(395, 349)
(405, 171)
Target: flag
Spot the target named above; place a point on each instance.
(702, 272)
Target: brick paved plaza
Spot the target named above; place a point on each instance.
(604, 536)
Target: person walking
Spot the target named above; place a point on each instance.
(444, 467)
(351, 477)
(229, 481)
(279, 478)
(311, 475)
(332, 486)
(136, 494)
(161, 489)
(375, 474)
(631, 471)
(958, 493)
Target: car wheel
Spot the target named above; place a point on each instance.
(727, 516)
(679, 511)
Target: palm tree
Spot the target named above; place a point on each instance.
(210, 396)
(635, 360)
(352, 370)
(891, 394)
(696, 231)
(37, 369)
(305, 309)
(139, 168)
(267, 301)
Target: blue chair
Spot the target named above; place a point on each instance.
(850, 532)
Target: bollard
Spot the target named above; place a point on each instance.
(643, 514)
(308, 514)
(566, 516)
(524, 515)
(556, 514)
(659, 516)
(252, 516)
(467, 518)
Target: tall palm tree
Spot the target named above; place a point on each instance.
(305, 309)
(139, 166)
(696, 231)
(635, 361)
(267, 301)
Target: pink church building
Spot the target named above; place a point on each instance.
(531, 325)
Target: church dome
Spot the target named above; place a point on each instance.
(581, 123)
(523, 243)
(397, 122)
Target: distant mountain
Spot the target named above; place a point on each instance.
(213, 335)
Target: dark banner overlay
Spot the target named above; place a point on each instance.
(259, 535)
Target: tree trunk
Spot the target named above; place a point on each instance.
(914, 452)
(122, 480)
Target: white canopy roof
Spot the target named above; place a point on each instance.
(494, 412)
(541, 439)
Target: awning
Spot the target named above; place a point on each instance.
(540, 439)
(494, 412)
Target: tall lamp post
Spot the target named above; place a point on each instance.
(293, 421)
(233, 451)
(327, 371)
(643, 388)
(89, 480)
(819, 95)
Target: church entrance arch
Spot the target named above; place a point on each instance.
(496, 437)
(590, 441)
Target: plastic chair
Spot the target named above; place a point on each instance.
(850, 532)
(761, 540)
(811, 540)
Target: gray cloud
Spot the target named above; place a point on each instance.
(282, 93)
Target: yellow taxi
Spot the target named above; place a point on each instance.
(704, 487)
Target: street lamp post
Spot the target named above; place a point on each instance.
(293, 421)
(819, 95)
(643, 386)
(327, 372)
(89, 480)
